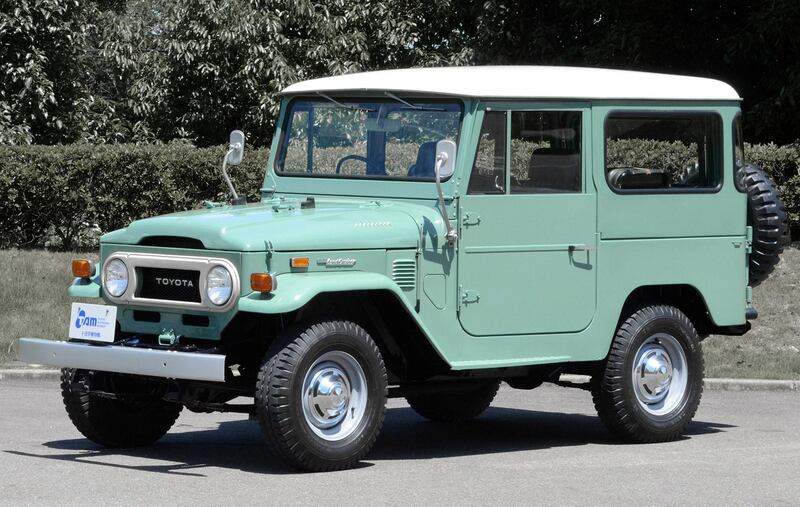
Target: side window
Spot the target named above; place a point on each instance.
(738, 154)
(669, 152)
(489, 170)
(545, 152)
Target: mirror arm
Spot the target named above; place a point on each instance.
(233, 148)
(451, 235)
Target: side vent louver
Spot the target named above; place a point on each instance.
(404, 273)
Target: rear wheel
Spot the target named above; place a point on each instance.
(117, 410)
(459, 406)
(650, 385)
(321, 395)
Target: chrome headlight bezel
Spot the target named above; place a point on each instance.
(116, 277)
(219, 285)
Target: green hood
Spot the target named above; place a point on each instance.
(330, 225)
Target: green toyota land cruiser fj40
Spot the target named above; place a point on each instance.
(427, 234)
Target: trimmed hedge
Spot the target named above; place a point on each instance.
(64, 197)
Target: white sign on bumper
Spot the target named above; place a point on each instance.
(93, 322)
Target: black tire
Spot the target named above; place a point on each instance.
(139, 417)
(614, 390)
(459, 406)
(767, 216)
(280, 395)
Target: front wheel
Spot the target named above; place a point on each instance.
(321, 395)
(649, 387)
(117, 410)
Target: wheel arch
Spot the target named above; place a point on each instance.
(685, 297)
(407, 350)
(371, 300)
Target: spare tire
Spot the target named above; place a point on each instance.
(767, 216)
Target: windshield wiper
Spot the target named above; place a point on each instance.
(346, 106)
(412, 106)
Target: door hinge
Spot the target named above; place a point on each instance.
(749, 238)
(471, 218)
(469, 296)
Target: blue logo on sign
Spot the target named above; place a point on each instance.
(83, 320)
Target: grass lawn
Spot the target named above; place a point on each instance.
(34, 302)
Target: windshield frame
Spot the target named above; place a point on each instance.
(282, 144)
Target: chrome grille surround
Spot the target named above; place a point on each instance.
(136, 261)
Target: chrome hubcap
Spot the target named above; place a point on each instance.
(334, 396)
(660, 374)
(654, 373)
(328, 395)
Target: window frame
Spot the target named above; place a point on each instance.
(738, 118)
(509, 107)
(660, 113)
(506, 150)
(342, 98)
(509, 155)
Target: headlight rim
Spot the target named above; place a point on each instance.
(106, 269)
(231, 286)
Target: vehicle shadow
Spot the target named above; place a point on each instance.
(238, 444)
(408, 436)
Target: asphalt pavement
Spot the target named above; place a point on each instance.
(532, 447)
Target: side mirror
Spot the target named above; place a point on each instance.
(236, 147)
(445, 167)
(446, 158)
(234, 157)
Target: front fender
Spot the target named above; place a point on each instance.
(294, 290)
(83, 288)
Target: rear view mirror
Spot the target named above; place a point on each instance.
(236, 147)
(383, 125)
(446, 158)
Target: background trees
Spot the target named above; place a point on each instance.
(159, 70)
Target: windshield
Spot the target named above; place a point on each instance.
(393, 138)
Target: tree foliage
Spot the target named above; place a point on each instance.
(158, 70)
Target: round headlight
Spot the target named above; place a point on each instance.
(115, 278)
(219, 285)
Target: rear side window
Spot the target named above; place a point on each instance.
(738, 154)
(545, 152)
(664, 152)
(489, 170)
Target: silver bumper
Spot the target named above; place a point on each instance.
(136, 361)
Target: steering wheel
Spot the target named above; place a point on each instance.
(346, 158)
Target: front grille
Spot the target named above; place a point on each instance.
(170, 284)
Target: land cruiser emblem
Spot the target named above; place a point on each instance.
(178, 282)
(345, 262)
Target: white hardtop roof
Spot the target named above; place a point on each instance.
(513, 82)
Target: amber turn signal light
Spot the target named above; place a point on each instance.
(82, 268)
(299, 262)
(262, 282)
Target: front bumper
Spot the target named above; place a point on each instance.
(118, 359)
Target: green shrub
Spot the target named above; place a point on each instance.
(783, 164)
(64, 197)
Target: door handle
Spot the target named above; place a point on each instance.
(581, 248)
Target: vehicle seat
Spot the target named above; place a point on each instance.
(635, 178)
(555, 169)
(426, 161)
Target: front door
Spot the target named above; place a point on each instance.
(527, 259)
